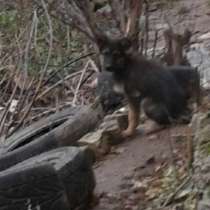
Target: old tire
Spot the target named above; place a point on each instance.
(73, 166)
(66, 134)
(37, 129)
(32, 187)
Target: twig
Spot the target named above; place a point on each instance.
(172, 153)
(146, 26)
(118, 14)
(3, 79)
(155, 44)
(66, 65)
(141, 45)
(9, 82)
(94, 66)
(11, 51)
(6, 111)
(190, 153)
(68, 34)
(86, 78)
(36, 20)
(85, 8)
(26, 57)
(44, 113)
(178, 189)
(20, 106)
(133, 19)
(58, 83)
(79, 83)
(26, 60)
(76, 26)
(5, 67)
(43, 71)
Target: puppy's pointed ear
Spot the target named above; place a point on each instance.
(125, 43)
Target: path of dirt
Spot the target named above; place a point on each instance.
(135, 155)
(132, 154)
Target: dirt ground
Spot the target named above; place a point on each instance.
(135, 159)
(134, 154)
(142, 156)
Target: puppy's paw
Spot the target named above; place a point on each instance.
(128, 133)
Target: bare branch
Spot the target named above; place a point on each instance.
(146, 26)
(133, 19)
(79, 83)
(41, 95)
(44, 69)
(118, 13)
(155, 43)
(174, 46)
(66, 65)
(6, 111)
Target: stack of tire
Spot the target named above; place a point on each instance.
(44, 175)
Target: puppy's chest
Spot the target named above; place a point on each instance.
(122, 88)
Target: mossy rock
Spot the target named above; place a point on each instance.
(204, 140)
(205, 121)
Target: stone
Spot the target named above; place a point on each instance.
(111, 121)
(195, 122)
(161, 26)
(198, 56)
(204, 136)
(204, 36)
(180, 137)
(108, 125)
(204, 120)
(97, 142)
(204, 205)
(122, 121)
(105, 10)
(137, 186)
(205, 168)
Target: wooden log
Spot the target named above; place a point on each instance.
(72, 165)
(66, 134)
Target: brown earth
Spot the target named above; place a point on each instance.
(134, 160)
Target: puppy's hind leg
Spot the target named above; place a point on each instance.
(157, 112)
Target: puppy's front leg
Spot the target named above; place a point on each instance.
(133, 116)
